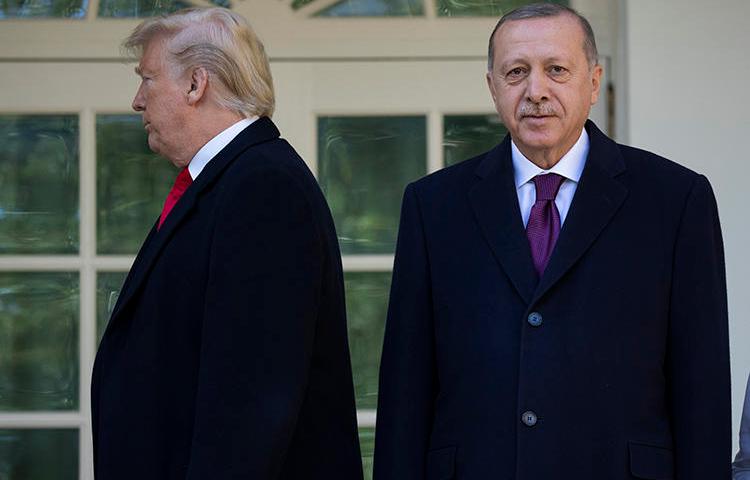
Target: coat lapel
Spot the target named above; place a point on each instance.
(259, 131)
(495, 203)
(598, 197)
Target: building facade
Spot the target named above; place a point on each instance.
(372, 93)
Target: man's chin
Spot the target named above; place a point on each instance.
(537, 138)
(153, 146)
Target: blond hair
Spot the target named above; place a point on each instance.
(223, 43)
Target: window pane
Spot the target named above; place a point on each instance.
(373, 8)
(39, 454)
(147, 8)
(476, 8)
(131, 184)
(108, 286)
(364, 165)
(466, 136)
(38, 341)
(43, 9)
(297, 4)
(367, 445)
(366, 306)
(38, 184)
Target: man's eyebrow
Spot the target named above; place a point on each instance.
(513, 61)
(138, 71)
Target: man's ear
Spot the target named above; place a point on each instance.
(491, 86)
(198, 85)
(596, 80)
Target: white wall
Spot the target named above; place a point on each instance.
(688, 79)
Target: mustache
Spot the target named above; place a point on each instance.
(536, 110)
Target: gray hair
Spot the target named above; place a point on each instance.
(223, 43)
(542, 10)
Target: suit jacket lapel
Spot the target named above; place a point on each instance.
(260, 131)
(598, 197)
(495, 204)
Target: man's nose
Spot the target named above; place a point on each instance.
(139, 103)
(537, 87)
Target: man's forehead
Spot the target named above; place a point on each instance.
(550, 38)
(540, 29)
(151, 57)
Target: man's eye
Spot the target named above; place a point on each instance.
(515, 73)
(557, 70)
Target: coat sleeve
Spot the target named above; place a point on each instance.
(697, 365)
(258, 327)
(741, 466)
(408, 381)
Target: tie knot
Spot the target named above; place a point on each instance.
(547, 186)
(183, 180)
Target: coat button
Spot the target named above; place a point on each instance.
(535, 319)
(529, 418)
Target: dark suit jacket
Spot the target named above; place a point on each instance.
(741, 465)
(226, 355)
(628, 372)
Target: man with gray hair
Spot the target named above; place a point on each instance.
(558, 305)
(226, 355)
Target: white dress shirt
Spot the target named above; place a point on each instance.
(215, 145)
(569, 167)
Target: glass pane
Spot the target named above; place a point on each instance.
(131, 184)
(466, 136)
(373, 8)
(364, 165)
(297, 4)
(43, 9)
(367, 444)
(366, 306)
(39, 454)
(147, 8)
(476, 8)
(108, 286)
(38, 341)
(38, 184)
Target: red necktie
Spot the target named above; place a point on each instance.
(544, 221)
(181, 183)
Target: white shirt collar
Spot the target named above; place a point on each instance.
(215, 145)
(570, 165)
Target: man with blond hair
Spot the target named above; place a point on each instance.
(226, 355)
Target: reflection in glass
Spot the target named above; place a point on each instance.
(482, 8)
(49, 454)
(466, 136)
(43, 8)
(367, 445)
(364, 165)
(366, 306)
(297, 4)
(131, 184)
(373, 8)
(147, 8)
(108, 286)
(38, 184)
(38, 341)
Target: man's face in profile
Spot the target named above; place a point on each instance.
(162, 100)
(542, 83)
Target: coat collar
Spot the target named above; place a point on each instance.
(260, 131)
(495, 203)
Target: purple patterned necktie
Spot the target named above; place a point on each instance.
(543, 227)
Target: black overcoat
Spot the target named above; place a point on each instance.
(226, 356)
